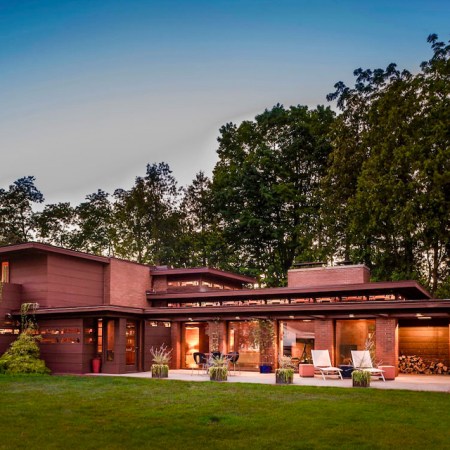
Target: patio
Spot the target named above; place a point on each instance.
(409, 382)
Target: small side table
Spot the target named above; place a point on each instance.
(346, 370)
(389, 372)
(306, 370)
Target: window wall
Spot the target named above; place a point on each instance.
(240, 340)
(353, 335)
(297, 339)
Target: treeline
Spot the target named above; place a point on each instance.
(369, 185)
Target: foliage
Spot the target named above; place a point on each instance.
(361, 377)
(265, 188)
(389, 180)
(27, 316)
(23, 356)
(161, 355)
(16, 211)
(146, 217)
(262, 336)
(285, 362)
(218, 369)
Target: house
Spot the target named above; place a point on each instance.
(88, 305)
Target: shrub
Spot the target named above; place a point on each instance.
(23, 356)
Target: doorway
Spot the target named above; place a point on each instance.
(131, 346)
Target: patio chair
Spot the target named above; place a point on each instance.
(201, 360)
(233, 360)
(322, 363)
(362, 361)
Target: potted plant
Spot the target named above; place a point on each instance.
(263, 335)
(161, 358)
(285, 373)
(218, 369)
(360, 378)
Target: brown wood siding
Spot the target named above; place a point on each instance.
(63, 357)
(74, 282)
(431, 342)
(155, 337)
(31, 272)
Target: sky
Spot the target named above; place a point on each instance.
(92, 91)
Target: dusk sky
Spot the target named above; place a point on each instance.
(92, 91)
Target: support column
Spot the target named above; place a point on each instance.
(175, 336)
(386, 333)
(324, 338)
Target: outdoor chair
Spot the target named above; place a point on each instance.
(201, 361)
(233, 360)
(362, 361)
(322, 363)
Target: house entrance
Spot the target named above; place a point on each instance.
(131, 345)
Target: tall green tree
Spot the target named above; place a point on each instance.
(389, 176)
(146, 217)
(17, 218)
(55, 225)
(96, 231)
(265, 188)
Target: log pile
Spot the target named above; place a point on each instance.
(417, 365)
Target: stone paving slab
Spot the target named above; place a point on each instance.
(409, 382)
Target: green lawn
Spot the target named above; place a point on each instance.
(125, 413)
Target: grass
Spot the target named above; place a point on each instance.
(51, 412)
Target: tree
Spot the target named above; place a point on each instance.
(390, 172)
(55, 223)
(146, 217)
(201, 237)
(265, 188)
(17, 222)
(96, 231)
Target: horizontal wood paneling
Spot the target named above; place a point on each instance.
(74, 282)
(429, 342)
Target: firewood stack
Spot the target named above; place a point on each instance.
(417, 365)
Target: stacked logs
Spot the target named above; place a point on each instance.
(417, 365)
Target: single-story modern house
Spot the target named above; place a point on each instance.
(91, 306)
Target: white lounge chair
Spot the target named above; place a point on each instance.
(363, 361)
(322, 363)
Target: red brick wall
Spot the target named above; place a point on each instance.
(325, 276)
(126, 284)
(160, 284)
(387, 342)
(175, 332)
(324, 336)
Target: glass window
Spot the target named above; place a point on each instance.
(297, 339)
(5, 272)
(110, 340)
(352, 335)
(240, 339)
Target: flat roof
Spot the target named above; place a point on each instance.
(38, 247)
(157, 271)
(408, 289)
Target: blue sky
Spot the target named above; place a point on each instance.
(92, 91)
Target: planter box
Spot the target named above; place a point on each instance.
(306, 370)
(280, 379)
(361, 383)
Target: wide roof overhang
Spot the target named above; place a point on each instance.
(406, 289)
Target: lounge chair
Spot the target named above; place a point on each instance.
(322, 363)
(363, 361)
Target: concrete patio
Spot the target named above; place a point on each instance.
(409, 382)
